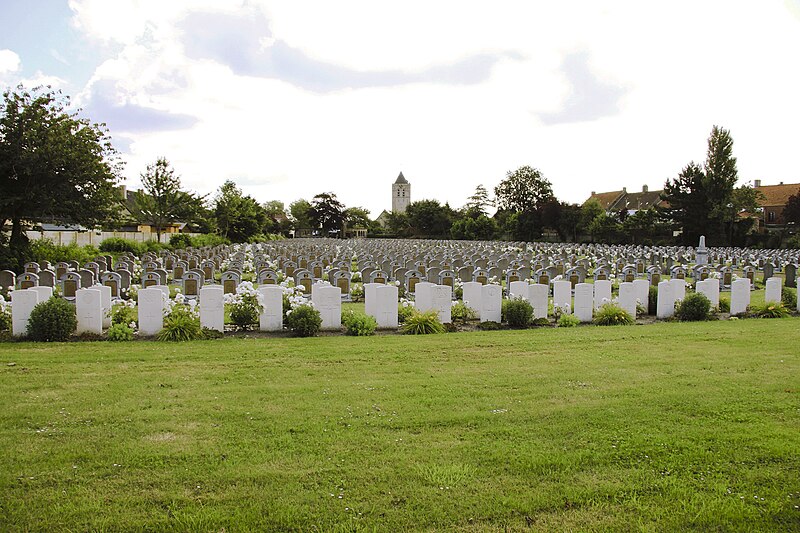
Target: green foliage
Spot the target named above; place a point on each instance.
(120, 333)
(5, 321)
(517, 312)
(489, 325)
(238, 216)
(403, 312)
(245, 310)
(122, 314)
(180, 326)
(524, 189)
(568, 321)
(52, 320)
(422, 324)
(327, 213)
(543, 321)
(45, 249)
(460, 313)
(611, 314)
(118, 245)
(209, 239)
(480, 228)
(789, 298)
(652, 300)
(428, 218)
(179, 241)
(695, 306)
(724, 305)
(769, 310)
(301, 213)
(358, 324)
(304, 321)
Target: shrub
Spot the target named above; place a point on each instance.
(724, 305)
(208, 239)
(120, 332)
(404, 312)
(52, 320)
(358, 324)
(696, 306)
(153, 246)
(489, 325)
(611, 314)
(422, 324)
(568, 321)
(179, 241)
(460, 313)
(304, 321)
(45, 249)
(769, 310)
(652, 300)
(181, 325)
(244, 306)
(117, 244)
(789, 298)
(5, 321)
(543, 321)
(517, 312)
(123, 314)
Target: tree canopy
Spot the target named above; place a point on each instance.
(54, 165)
(239, 217)
(327, 213)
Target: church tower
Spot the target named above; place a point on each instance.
(401, 194)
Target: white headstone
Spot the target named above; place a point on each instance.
(105, 300)
(642, 289)
(627, 297)
(678, 288)
(163, 288)
(710, 288)
(740, 295)
(212, 307)
(89, 310)
(518, 289)
(562, 293)
(22, 303)
(423, 296)
(441, 302)
(370, 299)
(584, 307)
(151, 311)
(602, 292)
(665, 307)
(271, 318)
(386, 306)
(491, 303)
(328, 301)
(773, 292)
(537, 295)
(45, 293)
(472, 295)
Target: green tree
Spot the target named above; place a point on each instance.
(791, 213)
(161, 200)
(479, 203)
(54, 165)
(480, 228)
(301, 214)
(428, 218)
(357, 217)
(327, 213)
(238, 217)
(523, 192)
(277, 218)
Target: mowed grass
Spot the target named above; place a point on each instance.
(664, 427)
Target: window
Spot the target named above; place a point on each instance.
(771, 216)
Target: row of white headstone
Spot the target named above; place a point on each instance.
(93, 304)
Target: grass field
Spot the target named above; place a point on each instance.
(664, 427)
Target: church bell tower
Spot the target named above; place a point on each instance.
(401, 194)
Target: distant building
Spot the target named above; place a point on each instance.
(401, 194)
(615, 201)
(774, 201)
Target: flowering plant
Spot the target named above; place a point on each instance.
(245, 305)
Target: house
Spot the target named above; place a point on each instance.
(773, 202)
(616, 201)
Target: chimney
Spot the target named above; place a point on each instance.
(644, 188)
(593, 193)
(624, 190)
(756, 183)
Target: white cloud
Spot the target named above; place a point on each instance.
(9, 61)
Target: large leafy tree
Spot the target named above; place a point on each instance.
(429, 218)
(277, 218)
(161, 200)
(479, 203)
(327, 213)
(301, 214)
(521, 196)
(54, 165)
(239, 217)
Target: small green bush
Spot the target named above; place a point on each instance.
(460, 313)
(769, 310)
(695, 306)
(122, 314)
(179, 241)
(489, 325)
(304, 321)
(120, 333)
(181, 325)
(517, 312)
(358, 324)
(404, 312)
(568, 321)
(118, 245)
(52, 320)
(5, 321)
(208, 239)
(724, 305)
(45, 249)
(652, 300)
(789, 298)
(423, 324)
(611, 314)
(543, 321)
(245, 310)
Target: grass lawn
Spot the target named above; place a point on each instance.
(666, 427)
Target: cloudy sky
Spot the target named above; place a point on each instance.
(290, 99)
